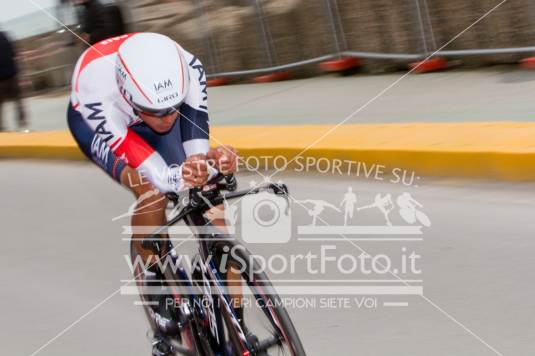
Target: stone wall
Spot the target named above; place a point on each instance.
(301, 29)
(227, 36)
(47, 61)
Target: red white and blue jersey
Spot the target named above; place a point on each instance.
(96, 96)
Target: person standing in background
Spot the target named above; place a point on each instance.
(9, 84)
(100, 21)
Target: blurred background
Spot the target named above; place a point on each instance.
(342, 56)
(234, 38)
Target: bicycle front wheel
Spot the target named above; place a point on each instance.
(259, 308)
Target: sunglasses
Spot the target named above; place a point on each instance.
(156, 113)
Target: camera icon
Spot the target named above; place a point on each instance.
(265, 218)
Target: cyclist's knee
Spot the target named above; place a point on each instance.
(143, 190)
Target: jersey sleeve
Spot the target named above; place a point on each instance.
(110, 124)
(194, 125)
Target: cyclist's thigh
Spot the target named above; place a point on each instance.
(93, 146)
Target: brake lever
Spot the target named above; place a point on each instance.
(282, 190)
(279, 189)
(231, 183)
(195, 197)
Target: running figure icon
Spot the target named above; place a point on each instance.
(349, 201)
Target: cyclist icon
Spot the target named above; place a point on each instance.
(408, 210)
(384, 204)
(318, 207)
(349, 201)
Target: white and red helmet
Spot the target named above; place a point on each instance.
(152, 73)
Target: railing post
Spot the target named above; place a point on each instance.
(420, 21)
(269, 48)
(431, 64)
(340, 64)
(264, 30)
(207, 37)
(430, 25)
(334, 27)
(529, 62)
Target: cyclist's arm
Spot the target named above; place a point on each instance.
(96, 97)
(194, 125)
(108, 123)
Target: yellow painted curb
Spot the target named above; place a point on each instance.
(44, 144)
(501, 150)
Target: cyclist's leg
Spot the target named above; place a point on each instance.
(216, 215)
(149, 208)
(149, 212)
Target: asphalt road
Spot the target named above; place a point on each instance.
(501, 93)
(62, 262)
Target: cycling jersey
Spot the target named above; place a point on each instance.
(115, 126)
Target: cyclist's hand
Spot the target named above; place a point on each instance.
(195, 171)
(225, 159)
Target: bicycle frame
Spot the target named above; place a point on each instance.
(219, 309)
(209, 312)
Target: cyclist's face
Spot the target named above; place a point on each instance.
(159, 124)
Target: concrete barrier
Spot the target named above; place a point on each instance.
(504, 151)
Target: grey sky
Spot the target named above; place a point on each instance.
(10, 9)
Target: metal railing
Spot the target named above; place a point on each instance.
(242, 38)
(425, 22)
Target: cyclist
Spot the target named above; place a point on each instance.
(139, 110)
